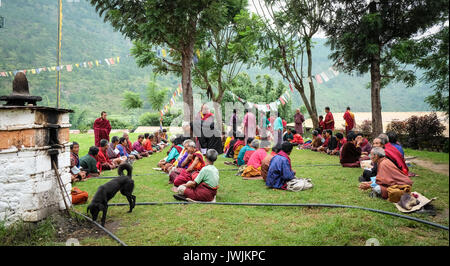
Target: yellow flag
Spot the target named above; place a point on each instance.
(118, 59)
(96, 62)
(78, 65)
(198, 52)
(33, 71)
(163, 52)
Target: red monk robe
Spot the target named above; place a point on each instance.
(327, 123)
(349, 118)
(102, 128)
(396, 157)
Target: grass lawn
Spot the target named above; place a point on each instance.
(435, 157)
(240, 225)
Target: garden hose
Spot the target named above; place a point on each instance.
(292, 205)
(103, 228)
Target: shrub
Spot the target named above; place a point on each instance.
(119, 124)
(421, 130)
(365, 128)
(152, 119)
(398, 127)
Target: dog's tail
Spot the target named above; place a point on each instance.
(125, 166)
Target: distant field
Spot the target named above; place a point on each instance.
(237, 225)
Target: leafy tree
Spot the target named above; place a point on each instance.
(156, 95)
(222, 58)
(284, 31)
(131, 100)
(374, 38)
(434, 61)
(176, 24)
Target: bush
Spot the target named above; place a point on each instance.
(365, 128)
(398, 127)
(119, 124)
(152, 119)
(422, 130)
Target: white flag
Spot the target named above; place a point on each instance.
(324, 76)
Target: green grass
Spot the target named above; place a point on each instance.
(435, 157)
(28, 234)
(239, 225)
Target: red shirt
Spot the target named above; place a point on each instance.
(103, 157)
(297, 139)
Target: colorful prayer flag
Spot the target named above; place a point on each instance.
(163, 52)
(118, 59)
(319, 79)
(69, 68)
(290, 86)
(324, 76)
(111, 61)
(335, 72)
(282, 101)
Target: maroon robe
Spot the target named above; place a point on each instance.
(396, 157)
(299, 119)
(102, 128)
(329, 117)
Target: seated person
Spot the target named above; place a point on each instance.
(392, 136)
(387, 175)
(365, 145)
(280, 169)
(254, 146)
(77, 174)
(253, 168)
(113, 152)
(105, 162)
(183, 154)
(321, 124)
(330, 142)
(123, 150)
(317, 140)
(351, 152)
(236, 148)
(163, 136)
(148, 143)
(265, 163)
(194, 163)
(173, 154)
(139, 147)
(89, 163)
(204, 186)
(288, 136)
(340, 143)
(243, 150)
(156, 139)
(226, 144)
(297, 139)
(129, 147)
(394, 154)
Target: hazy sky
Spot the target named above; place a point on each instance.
(321, 34)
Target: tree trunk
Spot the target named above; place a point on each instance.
(312, 96)
(375, 77)
(186, 83)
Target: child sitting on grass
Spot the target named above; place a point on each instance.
(204, 187)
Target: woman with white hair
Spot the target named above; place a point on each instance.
(387, 174)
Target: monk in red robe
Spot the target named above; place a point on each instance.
(349, 118)
(102, 128)
(329, 120)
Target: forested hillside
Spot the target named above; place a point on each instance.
(29, 40)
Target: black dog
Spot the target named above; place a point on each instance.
(105, 192)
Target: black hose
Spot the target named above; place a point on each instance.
(292, 205)
(103, 228)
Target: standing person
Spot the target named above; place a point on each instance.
(234, 123)
(249, 125)
(102, 128)
(278, 129)
(206, 125)
(349, 118)
(299, 119)
(329, 120)
(265, 125)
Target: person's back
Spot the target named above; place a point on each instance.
(257, 157)
(279, 172)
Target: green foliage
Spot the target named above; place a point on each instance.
(27, 234)
(119, 124)
(156, 95)
(131, 100)
(152, 119)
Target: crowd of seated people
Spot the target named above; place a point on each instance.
(109, 155)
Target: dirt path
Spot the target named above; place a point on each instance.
(438, 168)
